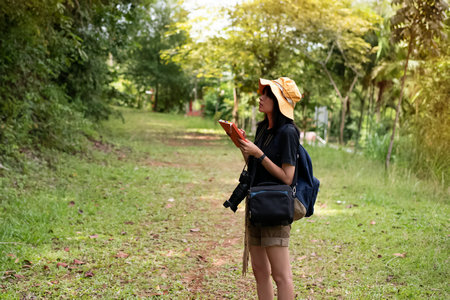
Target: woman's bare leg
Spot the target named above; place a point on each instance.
(261, 271)
(281, 271)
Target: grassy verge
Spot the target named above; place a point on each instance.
(141, 215)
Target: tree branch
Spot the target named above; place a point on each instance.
(332, 81)
(329, 53)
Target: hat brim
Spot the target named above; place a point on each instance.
(285, 108)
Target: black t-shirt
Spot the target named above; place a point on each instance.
(280, 147)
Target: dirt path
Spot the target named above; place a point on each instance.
(215, 246)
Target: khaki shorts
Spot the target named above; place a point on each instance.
(269, 236)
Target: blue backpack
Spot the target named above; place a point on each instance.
(307, 185)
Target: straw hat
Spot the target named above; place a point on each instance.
(286, 92)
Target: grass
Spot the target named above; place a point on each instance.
(140, 216)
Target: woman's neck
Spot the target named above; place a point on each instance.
(270, 121)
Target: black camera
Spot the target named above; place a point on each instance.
(240, 192)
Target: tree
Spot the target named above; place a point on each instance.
(418, 23)
(331, 34)
(150, 65)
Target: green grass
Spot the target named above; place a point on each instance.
(153, 188)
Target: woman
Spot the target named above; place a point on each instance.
(274, 162)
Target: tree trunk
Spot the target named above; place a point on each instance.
(235, 107)
(381, 86)
(361, 117)
(397, 113)
(342, 125)
(344, 101)
(253, 120)
(370, 109)
(344, 111)
(155, 104)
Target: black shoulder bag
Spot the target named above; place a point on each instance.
(271, 204)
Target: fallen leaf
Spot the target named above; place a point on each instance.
(389, 278)
(78, 262)
(402, 255)
(314, 241)
(122, 255)
(80, 211)
(18, 276)
(89, 274)
(129, 223)
(17, 260)
(360, 224)
(26, 266)
(72, 203)
(61, 264)
(323, 205)
(201, 258)
(45, 267)
(67, 249)
(373, 223)
(123, 233)
(54, 281)
(301, 258)
(311, 221)
(11, 255)
(195, 230)
(93, 236)
(379, 256)
(171, 200)
(169, 205)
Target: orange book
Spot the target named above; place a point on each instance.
(233, 132)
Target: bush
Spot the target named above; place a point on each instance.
(376, 146)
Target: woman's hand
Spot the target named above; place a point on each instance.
(249, 148)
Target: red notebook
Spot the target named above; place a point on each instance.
(233, 132)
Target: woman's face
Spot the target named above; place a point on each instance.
(265, 103)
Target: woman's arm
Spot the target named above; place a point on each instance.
(285, 173)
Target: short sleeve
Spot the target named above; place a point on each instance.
(289, 141)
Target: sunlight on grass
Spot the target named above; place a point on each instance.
(218, 131)
(334, 212)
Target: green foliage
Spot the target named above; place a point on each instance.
(376, 146)
(427, 134)
(54, 76)
(217, 102)
(420, 25)
(150, 66)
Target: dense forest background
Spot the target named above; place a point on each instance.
(381, 69)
